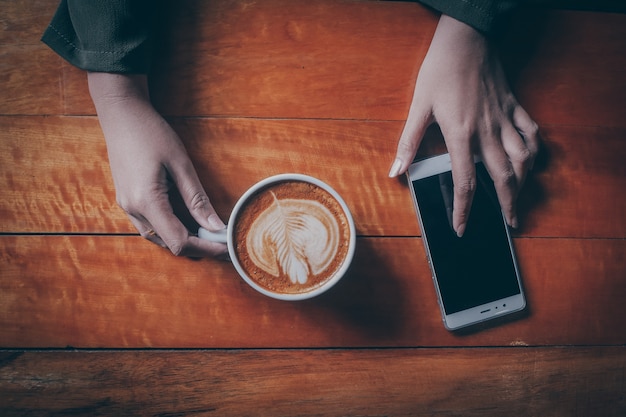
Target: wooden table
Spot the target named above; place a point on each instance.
(94, 320)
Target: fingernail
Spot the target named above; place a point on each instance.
(215, 222)
(460, 230)
(514, 223)
(395, 168)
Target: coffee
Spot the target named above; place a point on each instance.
(291, 237)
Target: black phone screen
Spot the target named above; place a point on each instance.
(477, 268)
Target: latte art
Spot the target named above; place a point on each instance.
(296, 238)
(292, 237)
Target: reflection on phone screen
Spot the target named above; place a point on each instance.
(477, 268)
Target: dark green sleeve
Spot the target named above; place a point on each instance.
(486, 16)
(104, 35)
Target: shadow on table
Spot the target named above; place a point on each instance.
(369, 299)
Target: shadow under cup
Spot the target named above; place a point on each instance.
(290, 237)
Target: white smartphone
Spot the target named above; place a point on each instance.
(476, 276)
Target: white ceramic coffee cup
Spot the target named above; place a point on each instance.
(227, 236)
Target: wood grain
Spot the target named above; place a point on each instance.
(407, 382)
(293, 59)
(107, 291)
(260, 70)
(55, 176)
(257, 88)
(285, 62)
(30, 78)
(35, 91)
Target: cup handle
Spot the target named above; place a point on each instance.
(219, 236)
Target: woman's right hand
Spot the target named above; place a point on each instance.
(461, 86)
(146, 158)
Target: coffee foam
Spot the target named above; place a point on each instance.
(292, 237)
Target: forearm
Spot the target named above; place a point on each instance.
(119, 97)
(125, 112)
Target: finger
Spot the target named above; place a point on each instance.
(176, 236)
(447, 192)
(145, 230)
(529, 131)
(517, 152)
(503, 175)
(464, 180)
(410, 139)
(188, 184)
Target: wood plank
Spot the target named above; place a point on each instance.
(407, 382)
(69, 188)
(219, 66)
(55, 176)
(297, 59)
(107, 291)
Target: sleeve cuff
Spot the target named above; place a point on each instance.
(486, 16)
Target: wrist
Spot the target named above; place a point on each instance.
(108, 88)
(123, 106)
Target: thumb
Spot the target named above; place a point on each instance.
(409, 141)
